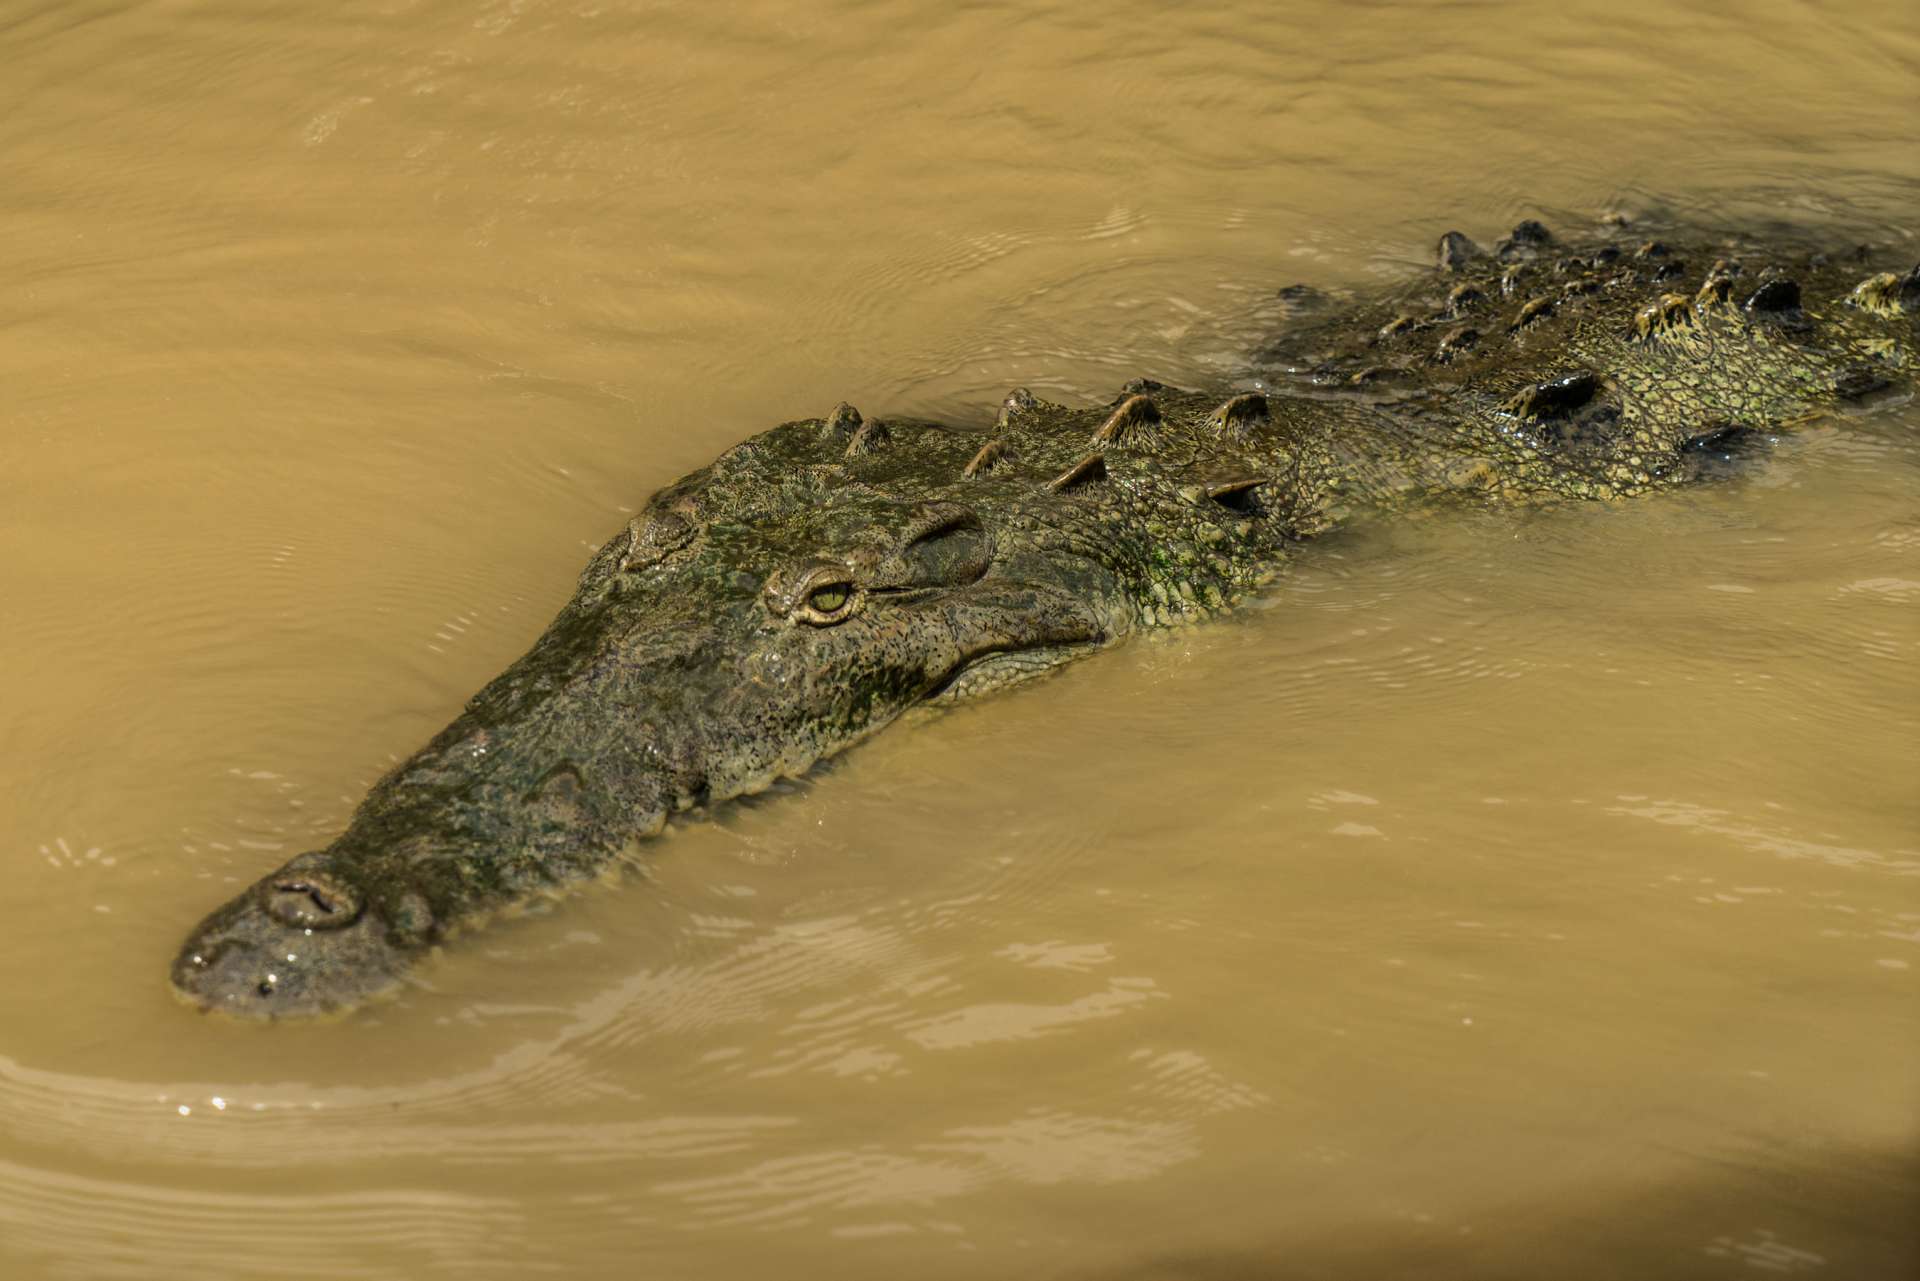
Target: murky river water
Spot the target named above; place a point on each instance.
(1508, 897)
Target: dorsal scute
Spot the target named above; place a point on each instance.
(1131, 421)
(1090, 470)
(1240, 415)
(991, 456)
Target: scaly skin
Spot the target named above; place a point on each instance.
(823, 577)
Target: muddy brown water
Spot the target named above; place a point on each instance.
(1514, 896)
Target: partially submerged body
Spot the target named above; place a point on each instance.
(821, 578)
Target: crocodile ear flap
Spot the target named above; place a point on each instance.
(1241, 495)
(945, 545)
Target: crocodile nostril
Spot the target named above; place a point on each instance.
(318, 897)
(312, 902)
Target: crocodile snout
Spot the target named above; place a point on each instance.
(301, 942)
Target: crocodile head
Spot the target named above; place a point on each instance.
(746, 625)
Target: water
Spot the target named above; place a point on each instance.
(1508, 896)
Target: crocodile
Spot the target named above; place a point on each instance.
(818, 580)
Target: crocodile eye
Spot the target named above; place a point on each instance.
(829, 599)
(818, 593)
